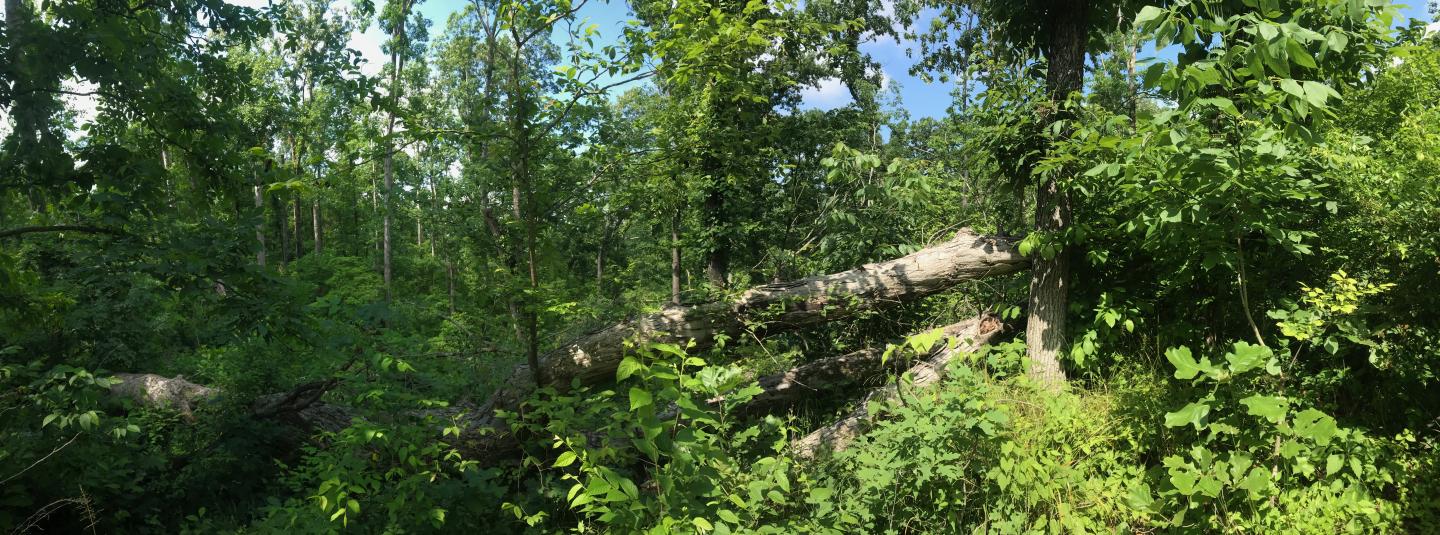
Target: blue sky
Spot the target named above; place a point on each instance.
(921, 99)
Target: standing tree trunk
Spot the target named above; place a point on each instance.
(1049, 277)
(600, 258)
(316, 223)
(397, 63)
(299, 232)
(717, 255)
(523, 193)
(282, 228)
(675, 257)
(450, 283)
(260, 207)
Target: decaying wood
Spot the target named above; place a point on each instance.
(151, 390)
(842, 433)
(300, 406)
(592, 359)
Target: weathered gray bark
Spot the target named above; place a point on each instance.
(592, 359)
(839, 435)
(1049, 279)
(301, 406)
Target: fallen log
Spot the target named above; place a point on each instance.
(778, 307)
(839, 435)
(301, 406)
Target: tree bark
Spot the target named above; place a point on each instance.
(318, 225)
(281, 228)
(523, 194)
(1049, 277)
(299, 231)
(260, 207)
(450, 283)
(593, 358)
(717, 255)
(397, 64)
(600, 259)
(675, 258)
(969, 336)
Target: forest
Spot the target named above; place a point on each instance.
(547, 266)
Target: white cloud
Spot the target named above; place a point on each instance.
(368, 43)
(827, 94)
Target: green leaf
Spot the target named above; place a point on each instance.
(1257, 482)
(566, 459)
(1272, 408)
(1290, 86)
(1185, 365)
(1299, 54)
(1184, 481)
(1148, 14)
(639, 398)
(1140, 498)
(702, 524)
(1192, 413)
(627, 368)
(1315, 425)
(728, 516)
(1318, 94)
(1246, 357)
(1333, 464)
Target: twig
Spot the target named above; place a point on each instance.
(42, 459)
(1244, 292)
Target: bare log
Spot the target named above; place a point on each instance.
(779, 307)
(839, 435)
(300, 406)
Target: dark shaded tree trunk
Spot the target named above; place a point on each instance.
(450, 284)
(717, 255)
(1049, 277)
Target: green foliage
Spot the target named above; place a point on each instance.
(666, 426)
(1260, 460)
(204, 191)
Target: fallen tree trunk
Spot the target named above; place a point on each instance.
(301, 406)
(779, 307)
(839, 435)
(593, 358)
